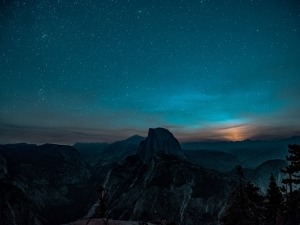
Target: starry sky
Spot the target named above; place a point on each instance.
(94, 71)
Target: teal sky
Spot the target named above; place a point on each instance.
(76, 71)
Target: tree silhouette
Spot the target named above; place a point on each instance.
(274, 205)
(245, 204)
(293, 169)
(292, 214)
(254, 203)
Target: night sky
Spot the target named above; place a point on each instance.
(93, 71)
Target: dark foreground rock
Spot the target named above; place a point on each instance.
(43, 181)
(158, 182)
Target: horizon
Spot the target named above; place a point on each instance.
(103, 71)
(145, 136)
(38, 135)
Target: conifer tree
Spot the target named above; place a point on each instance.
(293, 208)
(293, 169)
(274, 205)
(293, 180)
(245, 204)
(254, 203)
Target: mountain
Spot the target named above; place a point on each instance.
(159, 142)
(249, 153)
(90, 150)
(217, 160)
(51, 179)
(15, 206)
(146, 178)
(260, 176)
(158, 182)
(118, 151)
(3, 168)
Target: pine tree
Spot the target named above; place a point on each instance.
(294, 158)
(293, 208)
(293, 168)
(245, 204)
(254, 201)
(274, 204)
(293, 180)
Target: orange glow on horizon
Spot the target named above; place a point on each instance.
(233, 132)
(238, 133)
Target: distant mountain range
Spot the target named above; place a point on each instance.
(249, 153)
(146, 178)
(222, 155)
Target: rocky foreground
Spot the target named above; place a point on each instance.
(110, 222)
(144, 178)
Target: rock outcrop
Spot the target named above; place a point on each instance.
(15, 208)
(160, 142)
(158, 183)
(3, 168)
(51, 181)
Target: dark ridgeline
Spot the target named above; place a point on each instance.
(145, 179)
